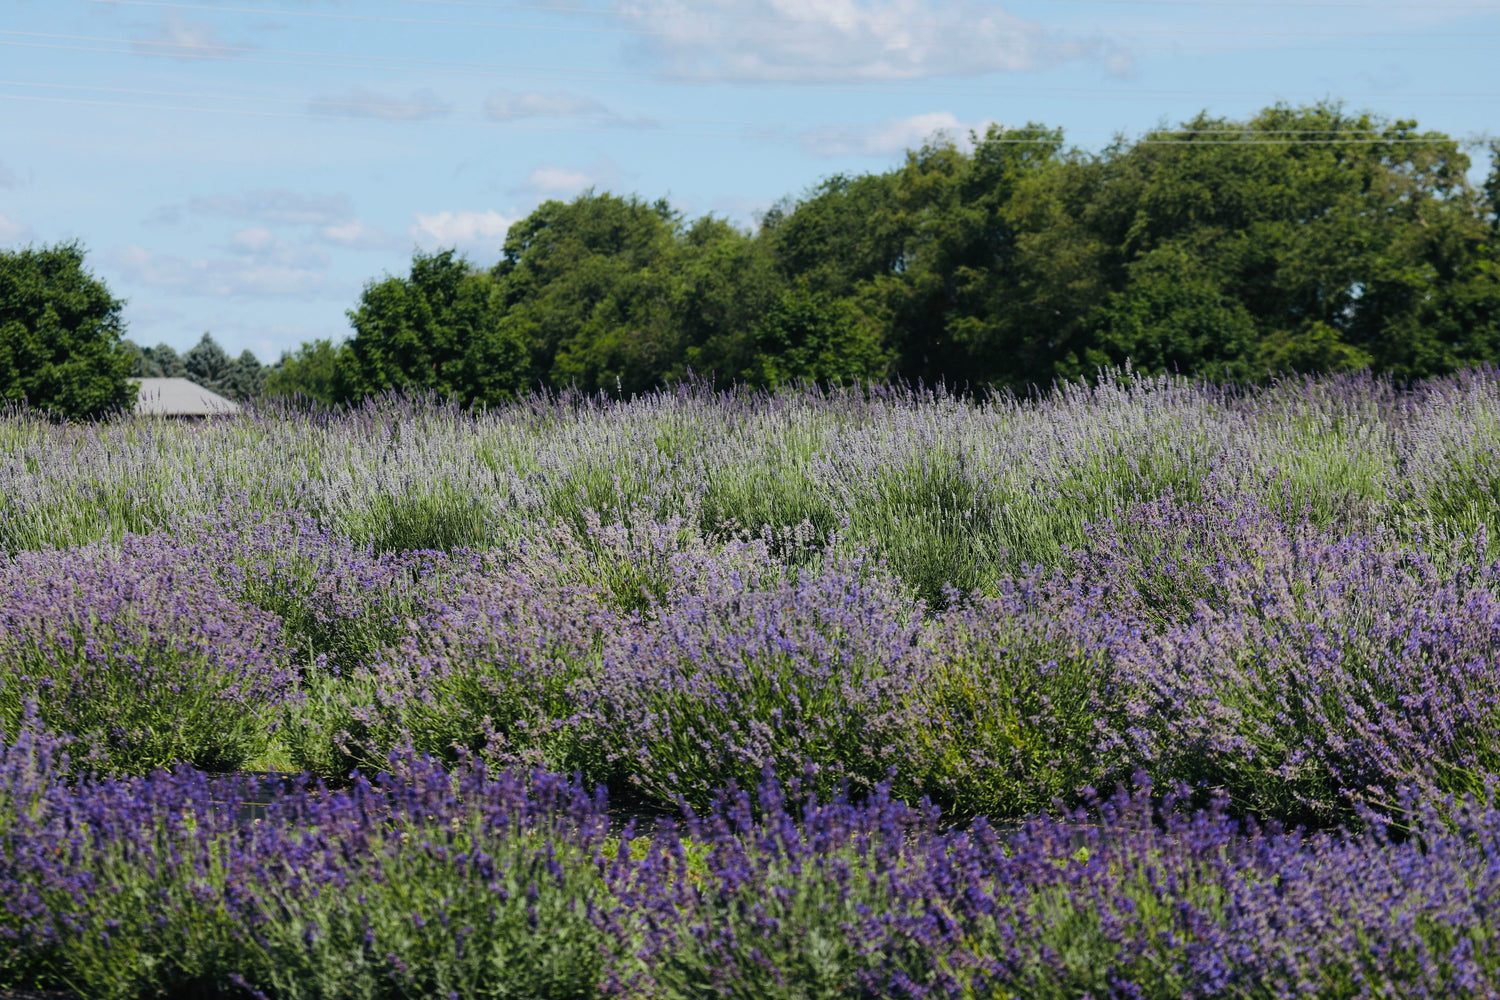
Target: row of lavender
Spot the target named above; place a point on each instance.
(1304, 672)
(1282, 603)
(950, 489)
(470, 885)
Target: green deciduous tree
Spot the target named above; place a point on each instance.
(1172, 317)
(1315, 347)
(61, 348)
(310, 372)
(815, 337)
(846, 231)
(616, 294)
(1492, 189)
(439, 329)
(723, 281)
(587, 287)
(933, 254)
(1304, 239)
(955, 300)
(1347, 234)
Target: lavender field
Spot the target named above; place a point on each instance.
(1149, 689)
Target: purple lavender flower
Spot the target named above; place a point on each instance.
(139, 653)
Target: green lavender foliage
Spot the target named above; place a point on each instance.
(1005, 600)
(952, 490)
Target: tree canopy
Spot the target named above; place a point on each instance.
(60, 335)
(1300, 239)
(206, 363)
(440, 329)
(308, 373)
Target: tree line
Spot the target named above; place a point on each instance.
(206, 363)
(1301, 239)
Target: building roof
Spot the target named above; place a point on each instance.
(179, 397)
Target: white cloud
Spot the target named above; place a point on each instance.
(253, 241)
(331, 217)
(356, 235)
(557, 179)
(839, 39)
(891, 137)
(261, 244)
(272, 207)
(508, 105)
(359, 102)
(468, 230)
(1119, 63)
(178, 38)
(278, 270)
(12, 231)
(550, 180)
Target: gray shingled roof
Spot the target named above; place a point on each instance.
(179, 397)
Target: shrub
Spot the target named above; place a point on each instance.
(140, 654)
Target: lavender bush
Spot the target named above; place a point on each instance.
(857, 633)
(504, 668)
(340, 604)
(139, 653)
(1284, 592)
(1302, 672)
(495, 885)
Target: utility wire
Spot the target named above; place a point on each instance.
(1253, 5)
(336, 105)
(1361, 8)
(747, 130)
(396, 120)
(338, 60)
(1380, 135)
(622, 29)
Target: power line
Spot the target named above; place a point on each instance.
(373, 106)
(415, 120)
(1461, 140)
(338, 60)
(621, 29)
(1381, 135)
(384, 19)
(1230, 4)
(1295, 4)
(748, 129)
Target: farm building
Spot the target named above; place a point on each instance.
(179, 397)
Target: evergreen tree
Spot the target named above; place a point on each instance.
(161, 361)
(246, 378)
(208, 365)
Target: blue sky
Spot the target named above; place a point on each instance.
(245, 166)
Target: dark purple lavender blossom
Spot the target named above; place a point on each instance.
(477, 884)
(1284, 597)
(140, 653)
(1303, 672)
